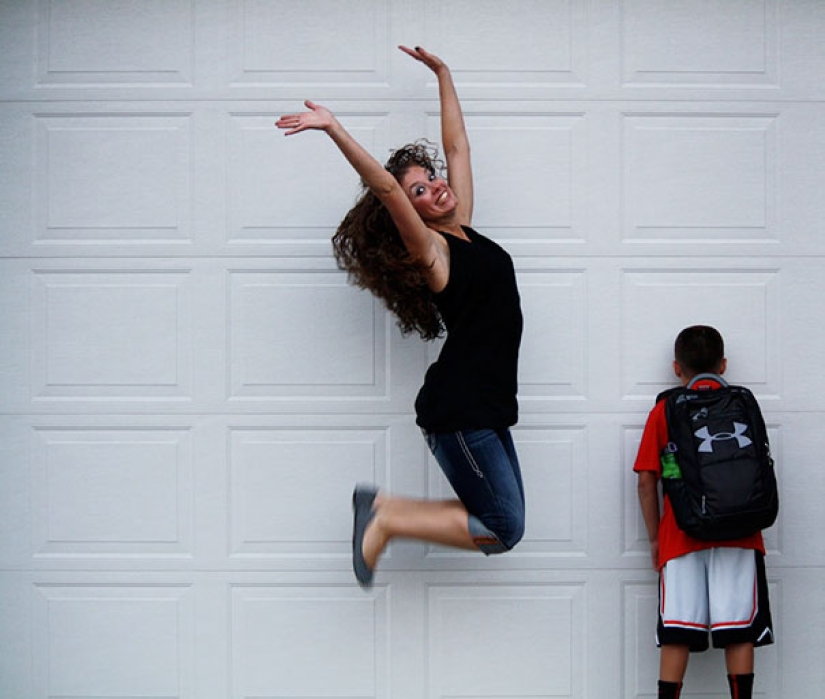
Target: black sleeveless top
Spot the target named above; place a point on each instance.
(473, 383)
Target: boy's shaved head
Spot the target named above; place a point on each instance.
(700, 350)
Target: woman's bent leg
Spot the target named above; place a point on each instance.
(483, 469)
(442, 522)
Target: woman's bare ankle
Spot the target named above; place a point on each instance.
(375, 538)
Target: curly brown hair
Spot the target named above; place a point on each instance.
(368, 246)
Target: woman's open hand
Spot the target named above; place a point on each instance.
(318, 117)
(433, 62)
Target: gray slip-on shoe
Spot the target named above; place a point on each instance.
(362, 499)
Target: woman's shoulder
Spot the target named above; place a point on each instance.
(464, 234)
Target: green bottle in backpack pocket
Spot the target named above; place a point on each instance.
(670, 467)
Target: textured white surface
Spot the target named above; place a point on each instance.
(189, 388)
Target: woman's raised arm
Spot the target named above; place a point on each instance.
(418, 238)
(454, 140)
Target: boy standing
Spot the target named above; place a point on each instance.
(704, 586)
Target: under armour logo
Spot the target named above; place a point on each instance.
(708, 439)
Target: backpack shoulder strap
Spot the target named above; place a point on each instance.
(669, 392)
(683, 389)
(708, 377)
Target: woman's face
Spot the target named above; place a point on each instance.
(430, 194)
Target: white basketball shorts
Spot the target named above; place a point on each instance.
(719, 591)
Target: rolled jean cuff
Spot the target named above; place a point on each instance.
(487, 542)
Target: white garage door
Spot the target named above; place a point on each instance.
(189, 389)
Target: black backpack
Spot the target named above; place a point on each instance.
(717, 469)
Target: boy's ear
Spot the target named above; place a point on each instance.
(677, 369)
(723, 365)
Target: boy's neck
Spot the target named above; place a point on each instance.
(685, 375)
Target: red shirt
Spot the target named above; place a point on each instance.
(673, 542)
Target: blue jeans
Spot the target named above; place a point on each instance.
(483, 469)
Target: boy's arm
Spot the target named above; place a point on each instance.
(648, 467)
(648, 491)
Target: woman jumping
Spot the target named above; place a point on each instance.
(408, 240)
